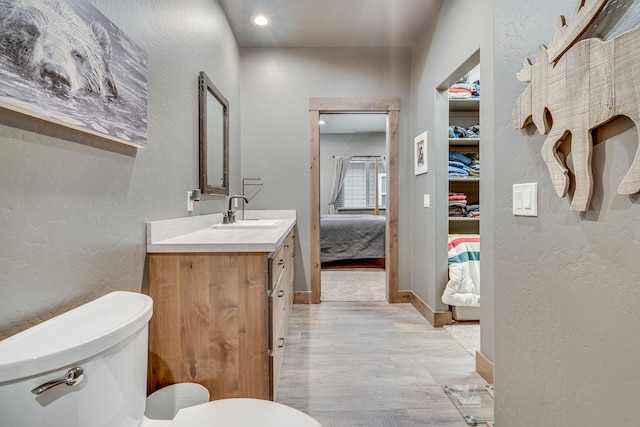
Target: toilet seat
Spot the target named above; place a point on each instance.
(239, 412)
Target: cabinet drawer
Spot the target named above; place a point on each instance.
(277, 358)
(277, 265)
(278, 311)
(290, 241)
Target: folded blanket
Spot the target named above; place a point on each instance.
(468, 86)
(461, 132)
(459, 165)
(458, 169)
(457, 132)
(459, 157)
(463, 288)
(474, 168)
(457, 211)
(459, 93)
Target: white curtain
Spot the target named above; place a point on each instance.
(341, 164)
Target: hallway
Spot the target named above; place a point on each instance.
(372, 364)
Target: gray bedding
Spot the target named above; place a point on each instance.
(344, 237)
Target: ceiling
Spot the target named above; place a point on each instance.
(330, 23)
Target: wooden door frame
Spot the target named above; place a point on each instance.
(391, 107)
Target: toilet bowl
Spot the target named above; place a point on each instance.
(88, 367)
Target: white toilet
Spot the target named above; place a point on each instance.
(88, 368)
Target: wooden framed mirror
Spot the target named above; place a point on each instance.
(213, 137)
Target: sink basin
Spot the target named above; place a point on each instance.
(251, 224)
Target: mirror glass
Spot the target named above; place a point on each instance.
(214, 138)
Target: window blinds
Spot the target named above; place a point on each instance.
(359, 189)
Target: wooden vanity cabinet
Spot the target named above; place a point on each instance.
(280, 303)
(220, 319)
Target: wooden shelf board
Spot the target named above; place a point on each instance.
(464, 179)
(461, 105)
(464, 141)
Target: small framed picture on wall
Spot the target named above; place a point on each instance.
(420, 153)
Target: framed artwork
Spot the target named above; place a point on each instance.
(64, 62)
(420, 153)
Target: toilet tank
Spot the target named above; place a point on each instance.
(107, 338)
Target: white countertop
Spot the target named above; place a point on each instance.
(196, 234)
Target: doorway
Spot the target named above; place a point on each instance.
(353, 174)
(389, 107)
(458, 108)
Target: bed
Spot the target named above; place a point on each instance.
(349, 237)
(463, 287)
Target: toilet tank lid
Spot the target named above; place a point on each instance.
(74, 336)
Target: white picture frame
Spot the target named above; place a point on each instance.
(420, 153)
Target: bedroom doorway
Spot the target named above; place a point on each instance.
(353, 207)
(379, 167)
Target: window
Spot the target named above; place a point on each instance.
(359, 188)
(382, 189)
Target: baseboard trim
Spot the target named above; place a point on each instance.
(405, 297)
(437, 318)
(484, 367)
(302, 297)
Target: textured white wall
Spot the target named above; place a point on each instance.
(276, 85)
(567, 299)
(73, 208)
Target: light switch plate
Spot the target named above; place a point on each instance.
(427, 201)
(525, 199)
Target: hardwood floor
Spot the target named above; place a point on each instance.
(372, 364)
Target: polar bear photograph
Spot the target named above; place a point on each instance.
(78, 68)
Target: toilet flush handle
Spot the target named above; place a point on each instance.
(73, 377)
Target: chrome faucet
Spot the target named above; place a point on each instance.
(231, 215)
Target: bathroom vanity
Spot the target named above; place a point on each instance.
(222, 297)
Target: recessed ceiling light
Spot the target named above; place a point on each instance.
(260, 20)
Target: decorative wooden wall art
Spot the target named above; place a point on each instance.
(575, 87)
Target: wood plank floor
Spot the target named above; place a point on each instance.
(372, 364)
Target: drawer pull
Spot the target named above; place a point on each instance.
(280, 342)
(281, 262)
(281, 293)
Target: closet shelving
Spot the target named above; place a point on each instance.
(464, 174)
(465, 113)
